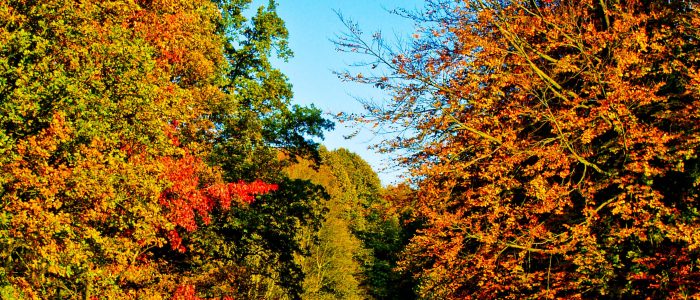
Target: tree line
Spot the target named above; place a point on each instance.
(150, 149)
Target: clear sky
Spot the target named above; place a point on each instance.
(312, 24)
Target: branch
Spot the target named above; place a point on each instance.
(475, 131)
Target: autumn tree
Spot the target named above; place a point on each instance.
(94, 98)
(113, 119)
(554, 145)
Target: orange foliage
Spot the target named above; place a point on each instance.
(96, 178)
(558, 147)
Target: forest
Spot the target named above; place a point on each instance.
(153, 149)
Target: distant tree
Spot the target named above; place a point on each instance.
(363, 233)
(378, 224)
(554, 145)
(332, 269)
(389, 226)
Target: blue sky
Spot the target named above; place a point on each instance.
(312, 24)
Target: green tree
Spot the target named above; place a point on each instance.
(380, 222)
(389, 227)
(332, 269)
(253, 125)
(360, 241)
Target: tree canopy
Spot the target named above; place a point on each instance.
(554, 145)
(150, 149)
(134, 135)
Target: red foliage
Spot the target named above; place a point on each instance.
(186, 198)
(185, 292)
(246, 191)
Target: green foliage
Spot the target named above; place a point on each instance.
(290, 130)
(376, 222)
(253, 125)
(258, 115)
(331, 268)
(249, 251)
(362, 236)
